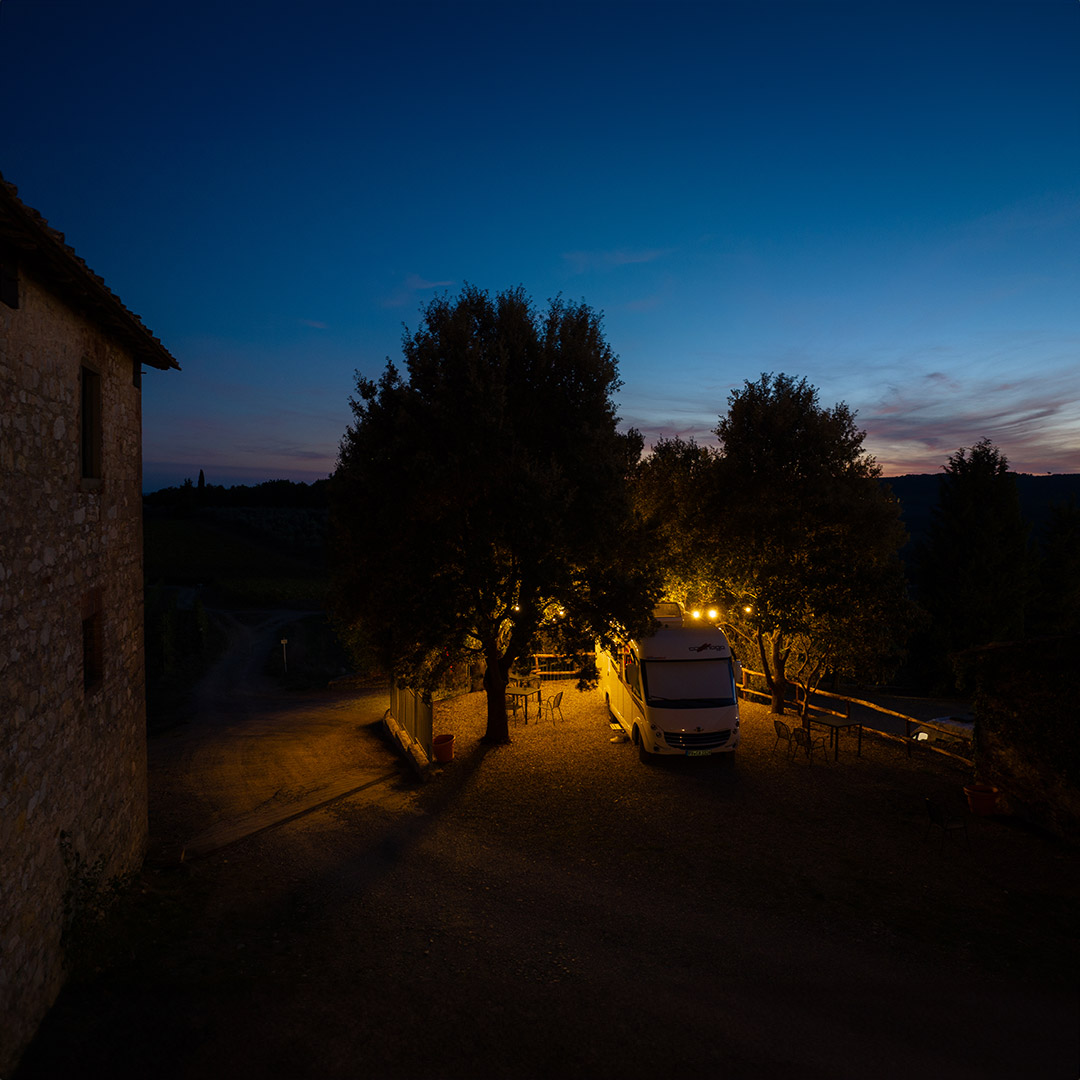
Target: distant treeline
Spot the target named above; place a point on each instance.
(918, 495)
(270, 494)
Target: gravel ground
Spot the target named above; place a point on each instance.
(556, 907)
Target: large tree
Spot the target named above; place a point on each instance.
(975, 572)
(482, 498)
(806, 538)
(1057, 602)
(671, 488)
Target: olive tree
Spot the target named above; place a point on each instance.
(806, 539)
(481, 497)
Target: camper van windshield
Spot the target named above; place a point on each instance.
(689, 684)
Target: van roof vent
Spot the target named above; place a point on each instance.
(671, 614)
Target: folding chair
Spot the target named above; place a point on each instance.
(946, 822)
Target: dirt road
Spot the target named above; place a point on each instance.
(249, 755)
(556, 908)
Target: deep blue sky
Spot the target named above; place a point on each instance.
(884, 198)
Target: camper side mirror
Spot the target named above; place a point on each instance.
(736, 669)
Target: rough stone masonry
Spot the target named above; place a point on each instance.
(73, 801)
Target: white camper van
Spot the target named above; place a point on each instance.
(674, 692)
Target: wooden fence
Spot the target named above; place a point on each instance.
(551, 666)
(409, 720)
(821, 702)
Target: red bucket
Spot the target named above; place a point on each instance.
(443, 747)
(982, 799)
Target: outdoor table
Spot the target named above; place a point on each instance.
(519, 690)
(834, 724)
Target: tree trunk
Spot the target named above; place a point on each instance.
(495, 680)
(779, 679)
(777, 705)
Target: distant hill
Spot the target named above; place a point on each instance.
(918, 496)
(263, 545)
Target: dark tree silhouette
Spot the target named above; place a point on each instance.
(1057, 609)
(672, 490)
(806, 540)
(483, 497)
(975, 572)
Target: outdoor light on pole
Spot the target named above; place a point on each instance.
(284, 657)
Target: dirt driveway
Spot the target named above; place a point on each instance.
(555, 907)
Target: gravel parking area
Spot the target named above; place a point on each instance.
(556, 907)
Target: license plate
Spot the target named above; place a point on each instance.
(698, 753)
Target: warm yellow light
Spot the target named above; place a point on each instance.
(748, 609)
(713, 613)
(695, 614)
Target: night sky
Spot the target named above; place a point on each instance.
(884, 198)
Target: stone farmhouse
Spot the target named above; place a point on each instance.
(73, 797)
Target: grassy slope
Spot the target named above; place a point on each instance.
(236, 568)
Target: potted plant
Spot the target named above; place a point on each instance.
(982, 797)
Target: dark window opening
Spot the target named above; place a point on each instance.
(90, 421)
(93, 651)
(9, 280)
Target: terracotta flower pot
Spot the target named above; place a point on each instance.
(982, 798)
(443, 746)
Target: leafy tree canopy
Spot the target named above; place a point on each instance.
(975, 572)
(671, 490)
(482, 497)
(806, 538)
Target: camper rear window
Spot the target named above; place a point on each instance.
(689, 684)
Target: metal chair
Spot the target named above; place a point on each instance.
(946, 822)
(513, 704)
(803, 739)
(783, 734)
(552, 706)
(515, 701)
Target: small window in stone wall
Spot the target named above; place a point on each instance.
(9, 279)
(90, 424)
(93, 641)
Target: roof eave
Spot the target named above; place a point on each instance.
(44, 249)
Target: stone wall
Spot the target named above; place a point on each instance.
(72, 759)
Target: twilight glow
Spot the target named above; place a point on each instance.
(884, 199)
